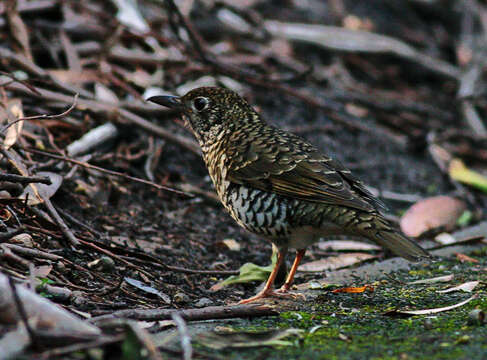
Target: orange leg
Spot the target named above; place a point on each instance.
(267, 290)
(287, 285)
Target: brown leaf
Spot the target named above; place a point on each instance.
(360, 289)
(17, 28)
(431, 213)
(463, 258)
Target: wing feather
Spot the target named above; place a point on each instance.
(293, 168)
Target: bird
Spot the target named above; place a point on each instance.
(279, 186)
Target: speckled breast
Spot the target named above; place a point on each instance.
(257, 211)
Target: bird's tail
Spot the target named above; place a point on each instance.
(383, 234)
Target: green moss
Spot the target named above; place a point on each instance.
(353, 326)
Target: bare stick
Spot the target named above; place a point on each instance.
(25, 179)
(208, 313)
(60, 222)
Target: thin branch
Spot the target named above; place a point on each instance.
(106, 171)
(44, 116)
(208, 313)
(25, 179)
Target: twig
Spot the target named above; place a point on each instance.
(106, 171)
(14, 79)
(33, 252)
(109, 253)
(73, 220)
(208, 313)
(60, 222)
(44, 116)
(111, 109)
(184, 336)
(22, 313)
(25, 179)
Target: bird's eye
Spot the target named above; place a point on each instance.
(200, 103)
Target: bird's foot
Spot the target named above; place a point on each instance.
(281, 293)
(284, 292)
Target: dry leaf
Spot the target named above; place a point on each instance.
(37, 193)
(430, 311)
(17, 28)
(41, 271)
(467, 287)
(104, 94)
(360, 289)
(335, 262)
(464, 258)
(231, 244)
(445, 278)
(431, 213)
(13, 112)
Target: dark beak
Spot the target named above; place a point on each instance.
(173, 102)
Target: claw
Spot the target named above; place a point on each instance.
(281, 293)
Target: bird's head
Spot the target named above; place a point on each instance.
(210, 111)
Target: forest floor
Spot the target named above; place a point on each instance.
(131, 244)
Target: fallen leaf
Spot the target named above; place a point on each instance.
(431, 213)
(463, 258)
(249, 272)
(18, 30)
(445, 278)
(148, 289)
(231, 244)
(467, 287)
(335, 262)
(13, 112)
(459, 172)
(41, 271)
(38, 191)
(104, 94)
(360, 289)
(245, 339)
(430, 311)
(339, 245)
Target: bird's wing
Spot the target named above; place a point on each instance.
(289, 166)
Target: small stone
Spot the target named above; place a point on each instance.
(78, 300)
(61, 267)
(203, 302)
(180, 298)
(476, 317)
(428, 324)
(107, 264)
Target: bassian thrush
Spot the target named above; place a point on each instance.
(279, 186)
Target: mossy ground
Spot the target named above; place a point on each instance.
(354, 326)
